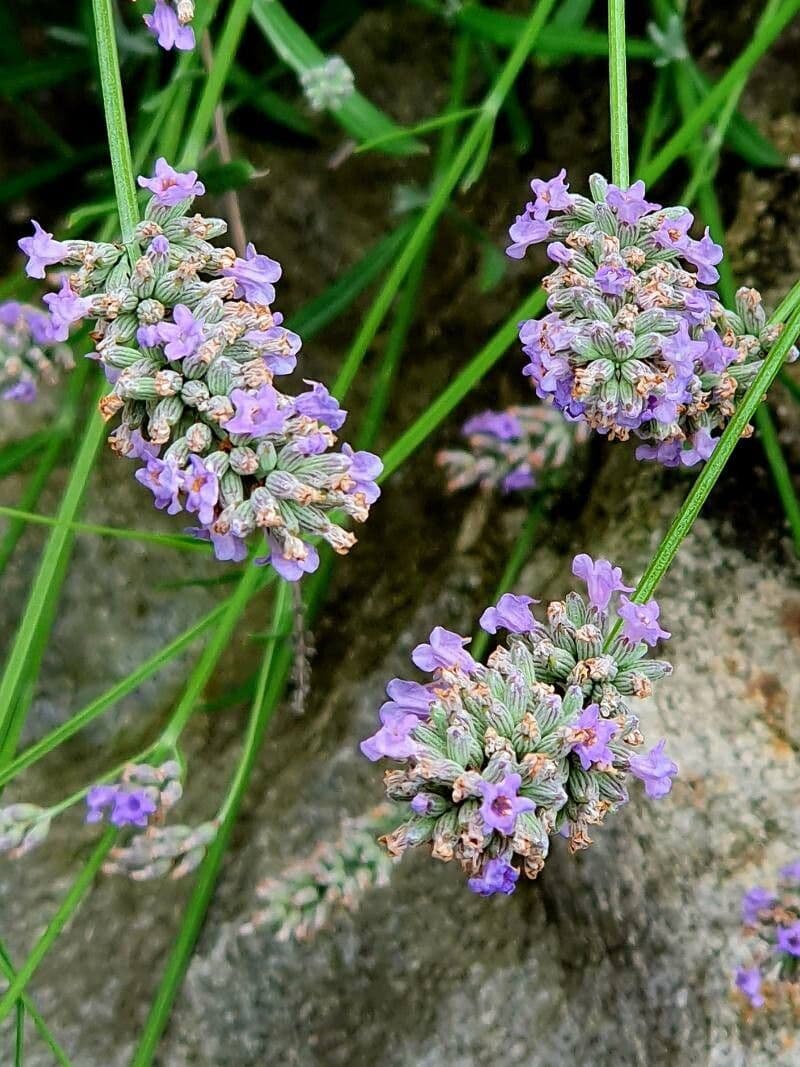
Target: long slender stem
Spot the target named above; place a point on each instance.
(618, 93)
(66, 910)
(7, 968)
(264, 703)
(442, 192)
(114, 106)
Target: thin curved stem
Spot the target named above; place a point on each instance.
(618, 94)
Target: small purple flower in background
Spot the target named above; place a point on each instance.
(791, 872)
(601, 577)
(167, 28)
(24, 392)
(445, 650)
(512, 613)
(320, 405)
(132, 808)
(551, 195)
(754, 902)
(201, 486)
(501, 804)
(66, 308)
(365, 467)
(163, 479)
(640, 621)
(656, 770)
(630, 204)
(748, 980)
(789, 939)
(498, 876)
(500, 424)
(98, 800)
(171, 187)
(257, 414)
(42, 251)
(254, 276)
(393, 740)
(518, 480)
(594, 734)
(183, 336)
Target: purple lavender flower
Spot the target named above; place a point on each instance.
(594, 733)
(501, 805)
(640, 621)
(148, 336)
(24, 392)
(167, 29)
(163, 479)
(228, 548)
(365, 467)
(601, 577)
(791, 872)
(550, 195)
(656, 771)
(702, 446)
(140, 448)
(613, 279)
(290, 569)
(518, 480)
(789, 938)
(412, 697)
(748, 980)
(754, 902)
(497, 876)
(681, 352)
(257, 414)
(558, 252)
(66, 308)
(511, 612)
(672, 233)
(201, 486)
(524, 232)
(183, 336)
(277, 346)
(320, 405)
(629, 204)
(500, 424)
(42, 251)
(132, 807)
(718, 356)
(171, 187)
(704, 254)
(254, 276)
(98, 799)
(393, 739)
(445, 650)
(667, 453)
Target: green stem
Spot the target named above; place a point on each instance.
(114, 106)
(618, 94)
(442, 192)
(516, 561)
(263, 706)
(7, 968)
(224, 55)
(69, 905)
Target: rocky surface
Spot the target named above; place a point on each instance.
(619, 956)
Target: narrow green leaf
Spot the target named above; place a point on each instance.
(275, 106)
(742, 136)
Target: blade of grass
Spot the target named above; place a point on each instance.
(426, 126)
(7, 969)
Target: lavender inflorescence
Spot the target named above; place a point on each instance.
(496, 758)
(633, 342)
(162, 851)
(772, 921)
(304, 898)
(23, 827)
(30, 352)
(520, 448)
(143, 792)
(328, 85)
(190, 346)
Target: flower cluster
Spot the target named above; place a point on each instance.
(191, 348)
(22, 828)
(633, 342)
(328, 85)
(772, 920)
(303, 899)
(30, 353)
(170, 24)
(160, 851)
(142, 792)
(539, 741)
(511, 450)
